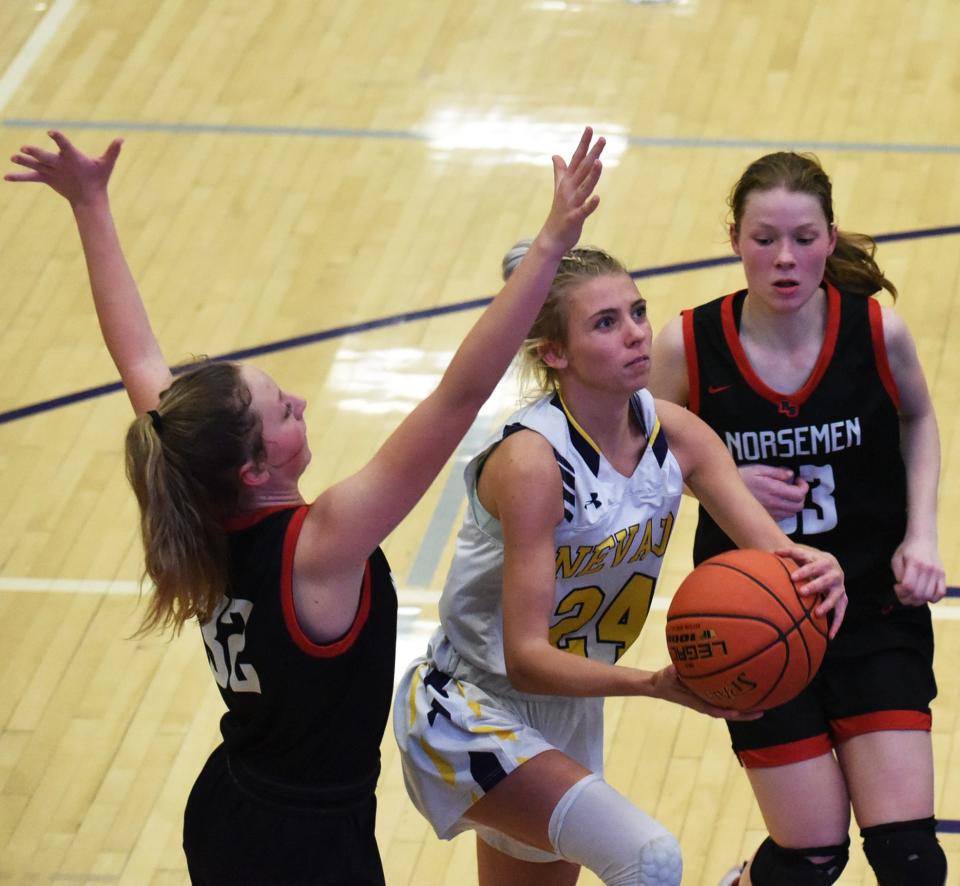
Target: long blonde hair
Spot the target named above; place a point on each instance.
(183, 461)
(581, 263)
(852, 267)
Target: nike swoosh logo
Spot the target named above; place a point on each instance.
(716, 389)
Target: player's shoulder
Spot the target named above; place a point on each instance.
(893, 323)
(522, 453)
(672, 416)
(897, 339)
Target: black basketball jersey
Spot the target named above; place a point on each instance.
(840, 432)
(304, 720)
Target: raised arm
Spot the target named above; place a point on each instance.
(916, 563)
(349, 520)
(82, 181)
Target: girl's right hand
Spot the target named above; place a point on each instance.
(69, 172)
(780, 492)
(573, 197)
(668, 686)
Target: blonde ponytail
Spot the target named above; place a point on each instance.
(183, 461)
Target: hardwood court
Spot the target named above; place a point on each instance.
(295, 167)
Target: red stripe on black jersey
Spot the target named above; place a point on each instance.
(880, 350)
(840, 432)
(251, 518)
(321, 650)
(693, 364)
(881, 721)
(300, 725)
(789, 401)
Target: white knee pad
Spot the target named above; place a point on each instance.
(597, 827)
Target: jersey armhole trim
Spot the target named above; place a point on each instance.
(317, 650)
(693, 367)
(880, 351)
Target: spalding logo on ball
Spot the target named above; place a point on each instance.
(740, 635)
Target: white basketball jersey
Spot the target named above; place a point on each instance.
(609, 546)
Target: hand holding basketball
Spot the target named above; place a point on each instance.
(740, 634)
(819, 575)
(668, 686)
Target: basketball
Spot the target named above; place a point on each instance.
(740, 635)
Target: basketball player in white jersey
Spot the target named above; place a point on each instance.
(570, 509)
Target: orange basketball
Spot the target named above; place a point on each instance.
(740, 635)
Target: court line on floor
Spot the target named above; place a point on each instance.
(321, 132)
(34, 46)
(297, 341)
(406, 596)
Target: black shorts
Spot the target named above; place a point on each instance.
(876, 676)
(231, 836)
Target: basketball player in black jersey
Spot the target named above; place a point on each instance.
(295, 600)
(818, 393)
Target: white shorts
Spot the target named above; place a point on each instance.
(457, 741)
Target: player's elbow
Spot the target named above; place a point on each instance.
(524, 668)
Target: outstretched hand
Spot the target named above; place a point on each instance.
(69, 172)
(573, 197)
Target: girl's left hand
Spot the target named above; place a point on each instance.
(819, 573)
(573, 197)
(71, 173)
(668, 686)
(919, 573)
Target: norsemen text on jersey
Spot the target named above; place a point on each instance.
(792, 442)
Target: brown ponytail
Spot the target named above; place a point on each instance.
(183, 462)
(852, 267)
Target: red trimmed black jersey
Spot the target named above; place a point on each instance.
(304, 720)
(840, 432)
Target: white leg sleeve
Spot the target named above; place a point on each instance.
(597, 827)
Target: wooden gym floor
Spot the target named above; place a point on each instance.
(311, 168)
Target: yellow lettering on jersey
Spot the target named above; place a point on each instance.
(596, 562)
(579, 607)
(666, 527)
(646, 543)
(624, 539)
(627, 613)
(618, 625)
(565, 567)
